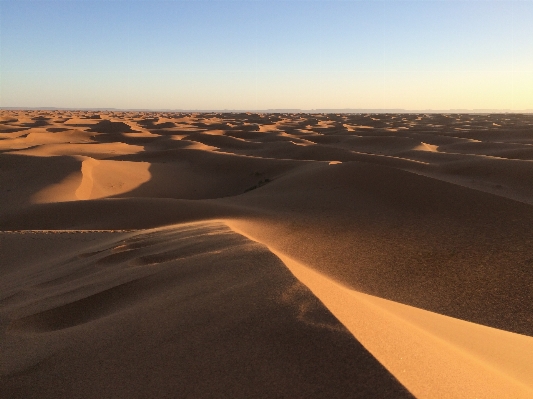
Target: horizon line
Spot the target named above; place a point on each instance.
(279, 110)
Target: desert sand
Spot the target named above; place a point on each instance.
(244, 255)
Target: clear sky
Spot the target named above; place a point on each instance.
(248, 54)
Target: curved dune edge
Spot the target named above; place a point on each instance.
(96, 179)
(63, 191)
(105, 178)
(432, 355)
(426, 147)
(100, 150)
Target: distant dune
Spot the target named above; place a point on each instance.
(265, 255)
(287, 110)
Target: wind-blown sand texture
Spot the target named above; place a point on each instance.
(247, 255)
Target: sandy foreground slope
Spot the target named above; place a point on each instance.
(265, 255)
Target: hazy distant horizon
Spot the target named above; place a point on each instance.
(289, 54)
(288, 110)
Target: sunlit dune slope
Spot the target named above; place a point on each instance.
(405, 237)
(265, 255)
(455, 358)
(190, 311)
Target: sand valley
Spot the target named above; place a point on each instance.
(245, 255)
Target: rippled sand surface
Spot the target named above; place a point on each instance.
(265, 255)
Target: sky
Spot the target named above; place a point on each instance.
(270, 54)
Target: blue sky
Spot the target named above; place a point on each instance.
(267, 54)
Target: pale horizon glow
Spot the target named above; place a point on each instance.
(251, 55)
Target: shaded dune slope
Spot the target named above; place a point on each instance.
(431, 354)
(411, 232)
(409, 238)
(170, 302)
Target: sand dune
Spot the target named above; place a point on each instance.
(265, 255)
(101, 151)
(426, 147)
(189, 311)
(96, 179)
(474, 360)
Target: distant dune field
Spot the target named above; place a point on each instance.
(242, 255)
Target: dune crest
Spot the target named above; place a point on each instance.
(434, 356)
(201, 310)
(426, 147)
(243, 255)
(96, 179)
(106, 178)
(65, 190)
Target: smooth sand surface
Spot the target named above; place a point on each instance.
(265, 255)
(461, 359)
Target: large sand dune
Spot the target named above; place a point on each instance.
(265, 255)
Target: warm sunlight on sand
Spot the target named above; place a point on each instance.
(265, 255)
(434, 356)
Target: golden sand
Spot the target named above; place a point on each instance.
(265, 255)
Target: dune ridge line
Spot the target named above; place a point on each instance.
(246, 255)
(431, 362)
